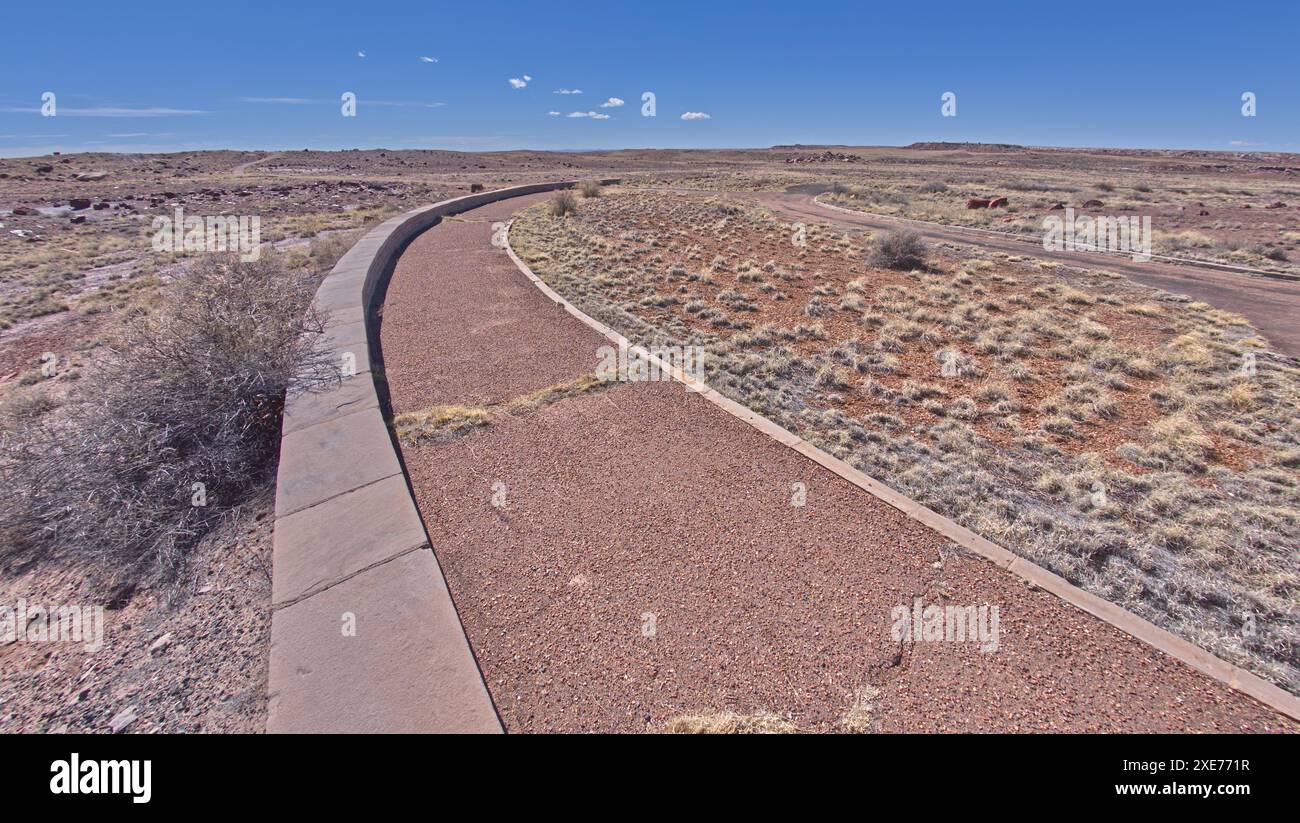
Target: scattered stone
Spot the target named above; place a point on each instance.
(161, 644)
(80, 203)
(123, 719)
(977, 203)
(1277, 205)
(998, 203)
(1092, 204)
(44, 169)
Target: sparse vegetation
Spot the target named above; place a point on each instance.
(901, 249)
(189, 393)
(562, 204)
(730, 723)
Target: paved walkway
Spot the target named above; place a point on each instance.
(647, 561)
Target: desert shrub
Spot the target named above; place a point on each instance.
(901, 249)
(562, 204)
(933, 187)
(191, 392)
(590, 188)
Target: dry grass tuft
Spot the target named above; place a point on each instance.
(562, 204)
(442, 423)
(730, 723)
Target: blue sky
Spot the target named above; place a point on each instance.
(146, 76)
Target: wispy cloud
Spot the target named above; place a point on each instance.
(611, 103)
(401, 104)
(567, 91)
(110, 111)
(519, 83)
(594, 115)
(291, 101)
(428, 60)
(135, 134)
(361, 54)
(695, 115)
(553, 113)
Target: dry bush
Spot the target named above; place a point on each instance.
(562, 204)
(189, 393)
(590, 188)
(901, 250)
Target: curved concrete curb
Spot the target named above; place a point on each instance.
(364, 634)
(1233, 676)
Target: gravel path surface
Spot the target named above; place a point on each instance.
(647, 561)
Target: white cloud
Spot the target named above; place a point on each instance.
(594, 115)
(695, 115)
(361, 54)
(553, 113)
(611, 103)
(567, 91)
(403, 104)
(109, 111)
(428, 60)
(515, 82)
(527, 79)
(296, 101)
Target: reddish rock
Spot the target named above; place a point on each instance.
(998, 203)
(1278, 205)
(977, 203)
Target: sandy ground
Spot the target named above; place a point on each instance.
(648, 561)
(188, 661)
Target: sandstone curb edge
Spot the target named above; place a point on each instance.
(408, 666)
